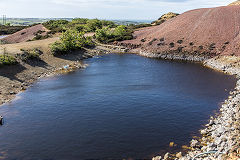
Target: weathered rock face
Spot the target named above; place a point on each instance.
(235, 3)
(164, 18)
(207, 31)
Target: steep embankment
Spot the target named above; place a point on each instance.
(207, 32)
(26, 34)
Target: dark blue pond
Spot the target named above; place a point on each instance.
(121, 106)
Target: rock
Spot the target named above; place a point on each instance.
(203, 132)
(211, 122)
(157, 158)
(179, 155)
(193, 143)
(1, 120)
(12, 92)
(166, 156)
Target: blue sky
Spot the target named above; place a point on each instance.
(103, 9)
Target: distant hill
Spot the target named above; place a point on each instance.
(235, 3)
(164, 18)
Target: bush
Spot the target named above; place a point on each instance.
(80, 24)
(69, 41)
(120, 33)
(93, 24)
(29, 54)
(133, 26)
(79, 21)
(7, 60)
(5, 30)
(40, 37)
(56, 26)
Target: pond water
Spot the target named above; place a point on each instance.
(121, 106)
(3, 36)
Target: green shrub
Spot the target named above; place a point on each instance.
(79, 21)
(29, 54)
(80, 24)
(133, 26)
(69, 41)
(7, 60)
(80, 27)
(56, 26)
(106, 35)
(93, 24)
(40, 37)
(5, 30)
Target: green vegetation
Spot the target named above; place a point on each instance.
(6, 59)
(106, 35)
(79, 24)
(69, 41)
(164, 18)
(39, 36)
(30, 54)
(133, 26)
(56, 25)
(7, 29)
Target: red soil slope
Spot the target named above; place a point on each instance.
(25, 34)
(207, 31)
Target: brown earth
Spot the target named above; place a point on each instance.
(207, 31)
(25, 34)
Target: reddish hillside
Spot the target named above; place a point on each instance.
(25, 34)
(205, 31)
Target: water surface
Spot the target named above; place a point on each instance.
(3, 36)
(121, 106)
